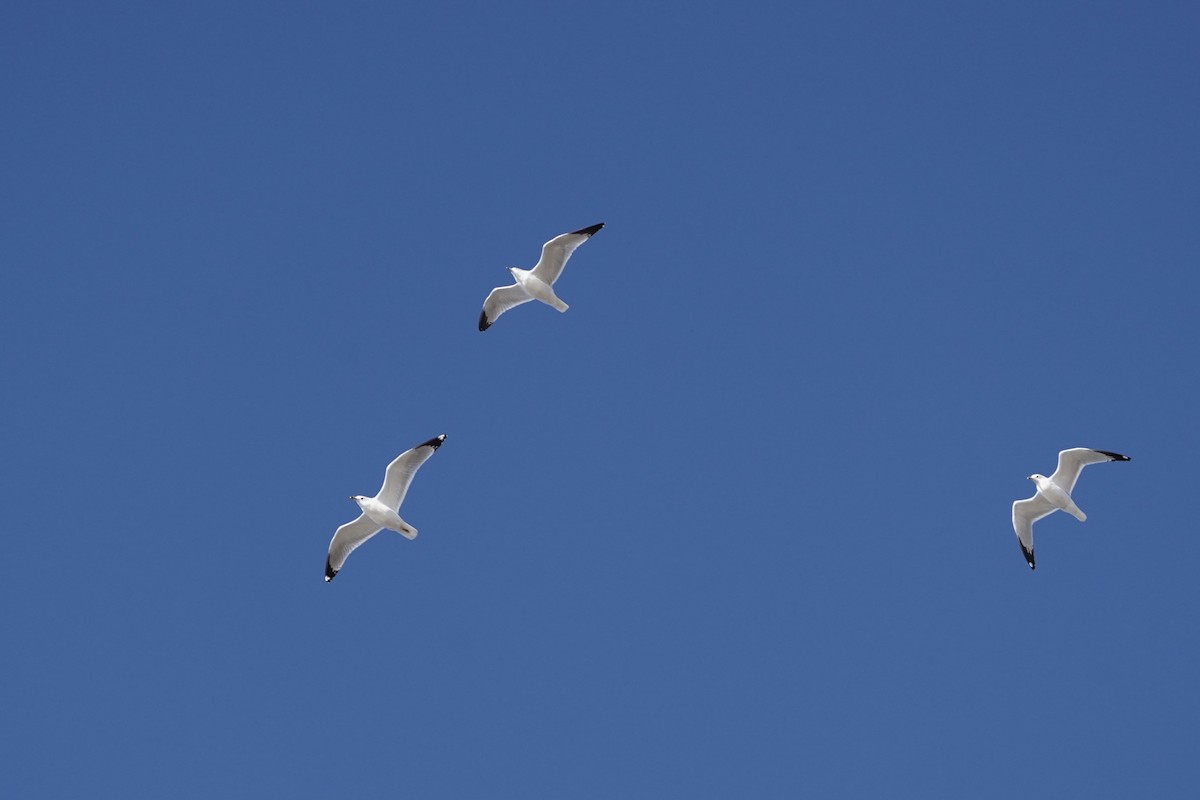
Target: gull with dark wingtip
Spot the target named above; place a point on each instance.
(536, 283)
(379, 512)
(1054, 493)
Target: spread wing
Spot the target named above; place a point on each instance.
(345, 539)
(500, 300)
(556, 252)
(1071, 463)
(400, 472)
(1024, 514)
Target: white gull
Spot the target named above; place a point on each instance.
(536, 283)
(1054, 493)
(379, 512)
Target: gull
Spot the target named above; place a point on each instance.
(536, 283)
(379, 512)
(1054, 493)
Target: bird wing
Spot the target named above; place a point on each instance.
(556, 252)
(400, 472)
(1024, 514)
(345, 539)
(500, 300)
(1071, 463)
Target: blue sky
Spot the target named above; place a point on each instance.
(737, 524)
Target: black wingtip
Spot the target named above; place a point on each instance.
(483, 321)
(435, 442)
(589, 230)
(330, 572)
(1028, 554)
(1115, 456)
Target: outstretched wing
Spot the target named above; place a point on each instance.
(1071, 463)
(556, 252)
(500, 300)
(345, 540)
(1024, 514)
(400, 472)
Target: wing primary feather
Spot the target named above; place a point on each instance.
(1028, 553)
(589, 230)
(435, 442)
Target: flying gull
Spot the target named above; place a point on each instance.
(379, 512)
(1054, 493)
(536, 283)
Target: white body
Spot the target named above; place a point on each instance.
(1053, 494)
(537, 288)
(385, 517)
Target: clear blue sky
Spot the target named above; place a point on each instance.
(737, 524)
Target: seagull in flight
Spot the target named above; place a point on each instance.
(379, 512)
(1054, 493)
(536, 283)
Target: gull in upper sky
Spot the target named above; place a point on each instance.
(379, 512)
(1054, 493)
(536, 283)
